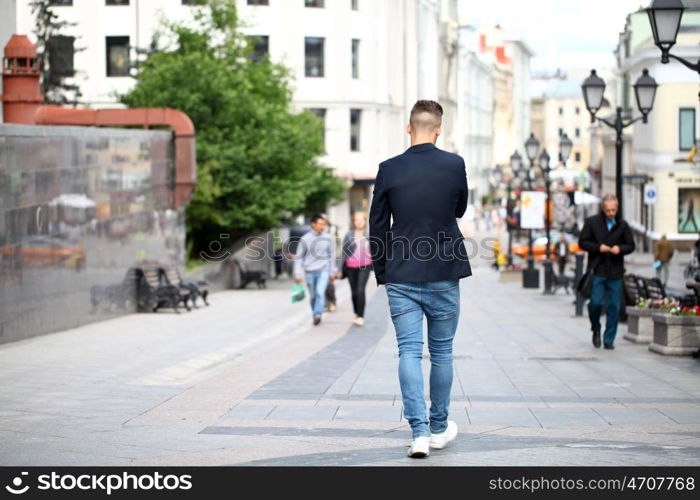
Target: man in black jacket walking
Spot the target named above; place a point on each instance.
(421, 257)
(607, 238)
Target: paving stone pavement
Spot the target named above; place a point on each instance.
(249, 381)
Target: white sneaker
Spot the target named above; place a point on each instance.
(440, 440)
(420, 448)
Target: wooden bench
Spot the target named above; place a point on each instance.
(192, 289)
(640, 287)
(153, 293)
(653, 288)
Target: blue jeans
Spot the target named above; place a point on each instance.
(318, 282)
(613, 287)
(408, 302)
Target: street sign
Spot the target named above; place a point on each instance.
(650, 194)
(532, 209)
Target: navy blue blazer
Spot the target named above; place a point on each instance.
(425, 190)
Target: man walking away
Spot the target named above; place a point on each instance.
(663, 252)
(607, 238)
(315, 259)
(563, 253)
(420, 258)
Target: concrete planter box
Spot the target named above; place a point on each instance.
(640, 326)
(675, 335)
(509, 275)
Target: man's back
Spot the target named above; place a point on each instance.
(425, 190)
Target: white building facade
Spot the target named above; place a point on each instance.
(358, 64)
(475, 110)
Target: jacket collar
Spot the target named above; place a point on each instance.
(604, 220)
(419, 148)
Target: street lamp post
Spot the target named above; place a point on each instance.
(546, 169)
(516, 163)
(593, 88)
(665, 19)
(565, 146)
(531, 276)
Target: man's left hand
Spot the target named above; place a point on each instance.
(615, 250)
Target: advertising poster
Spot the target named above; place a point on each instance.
(532, 210)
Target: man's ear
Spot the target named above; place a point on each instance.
(409, 129)
(438, 131)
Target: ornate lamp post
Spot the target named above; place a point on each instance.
(516, 164)
(546, 169)
(593, 89)
(531, 276)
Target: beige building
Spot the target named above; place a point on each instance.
(557, 109)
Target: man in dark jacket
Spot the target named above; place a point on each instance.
(607, 238)
(420, 258)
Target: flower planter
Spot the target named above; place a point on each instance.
(675, 335)
(640, 326)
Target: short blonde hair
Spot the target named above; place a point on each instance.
(610, 197)
(360, 212)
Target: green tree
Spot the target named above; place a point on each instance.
(256, 159)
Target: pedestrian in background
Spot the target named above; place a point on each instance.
(663, 252)
(315, 261)
(607, 238)
(357, 263)
(562, 252)
(496, 255)
(421, 258)
(331, 300)
(278, 258)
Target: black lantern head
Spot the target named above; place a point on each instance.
(516, 161)
(593, 89)
(665, 19)
(645, 90)
(544, 161)
(565, 146)
(532, 146)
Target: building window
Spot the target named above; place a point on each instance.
(686, 128)
(314, 56)
(578, 110)
(321, 113)
(561, 132)
(355, 58)
(561, 111)
(116, 2)
(58, 3)
(258, 2)
(117, 56)
(577, 156)
(261, 47)
(353, 4)
(355, 117)
(578, 132)
(61, 50)
(313, 3)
